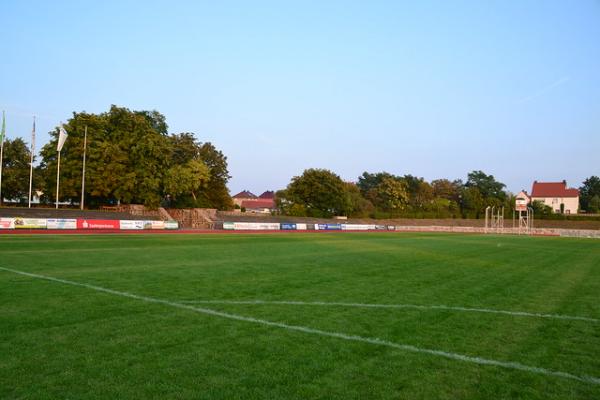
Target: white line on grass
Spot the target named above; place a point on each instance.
(397, 306)
(354, 338)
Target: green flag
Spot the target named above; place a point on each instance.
(3, 131)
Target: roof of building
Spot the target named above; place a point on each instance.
(553, 189)
(245, 194)
(269, 194)
(258, 203)
(522, 194)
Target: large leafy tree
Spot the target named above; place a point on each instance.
(188, 157)
(147, 151)
(317, 193)
(487, 185)
(359, 206)
(446, 189)
(480, 191)
(15, 170)
(186, 180)
(126, 158)
(419, 191)
(390, 195)
(367, 181)
(472, 202)
(215, 194)
(130, 159)
(589, 194)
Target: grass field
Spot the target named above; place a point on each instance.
(296, 316)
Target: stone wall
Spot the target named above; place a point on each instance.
(196, 218)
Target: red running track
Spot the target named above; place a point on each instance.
(159, 231)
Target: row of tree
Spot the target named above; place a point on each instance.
(322, 193)
(131, 158)
(589, 194)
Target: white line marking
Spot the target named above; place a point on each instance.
(397, 306)
(354, 338)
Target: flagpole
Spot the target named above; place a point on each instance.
(83, 173)
(57, 178)
(31, 162)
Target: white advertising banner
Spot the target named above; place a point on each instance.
(171, 225)
(357, 227)
(58, 223)
(300, 227)
(7, 223)
(156, 224)
(256, 226)
(131, 225)
(30, 223)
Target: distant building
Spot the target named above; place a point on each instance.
(259, 206)
(269, 194)
(263, 204)
(242, 196)
(556, 195)
(523, 196)
(522, 201)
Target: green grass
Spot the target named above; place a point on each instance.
(63, 341)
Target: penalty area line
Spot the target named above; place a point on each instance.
(393, 306)
(337, 335)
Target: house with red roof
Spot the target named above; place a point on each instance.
(259, 206)
(556, 195)
(242, 196)
(269, 194)
(263, 204)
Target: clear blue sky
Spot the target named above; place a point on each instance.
(434, 89)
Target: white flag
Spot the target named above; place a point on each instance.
(62, 136)
(33, 140)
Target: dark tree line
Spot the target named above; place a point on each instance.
(322, 193)
(589, 194)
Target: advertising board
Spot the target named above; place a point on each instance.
(288, 226)
(356, 227)
(7, 223)
(171, 225)
(60, 223)
(98, 224)
(30, 223)
(301, 227)
(329, 227)
(228, 226)
(131, 225)
(155, 225)
(256, 226)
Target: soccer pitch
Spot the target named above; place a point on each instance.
(296, 316)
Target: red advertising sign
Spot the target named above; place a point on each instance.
(98, 224)
(7, 223)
